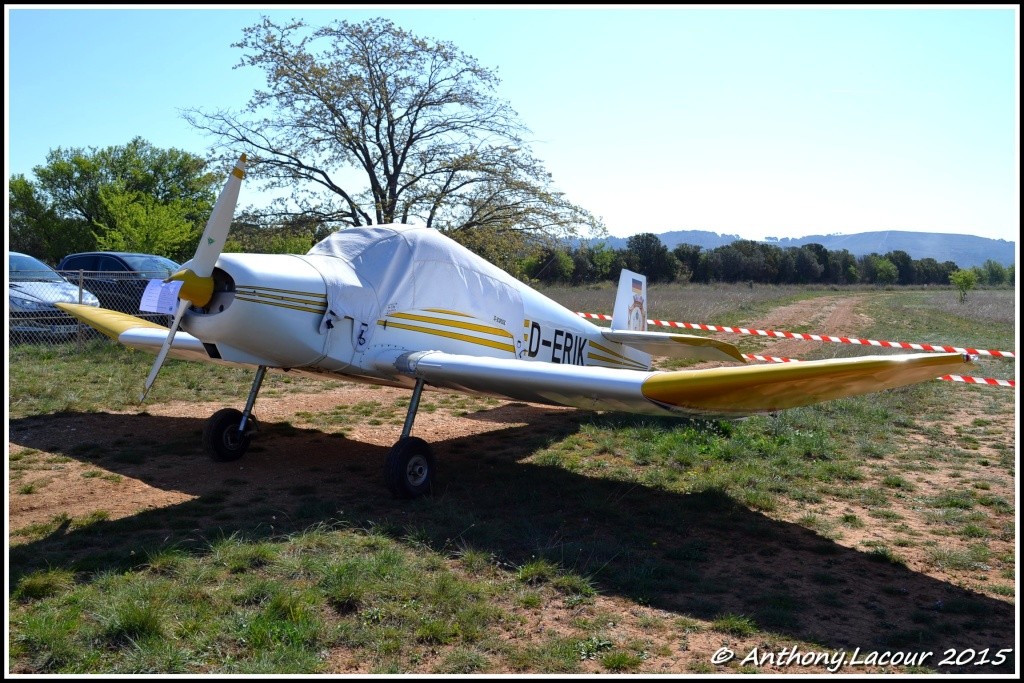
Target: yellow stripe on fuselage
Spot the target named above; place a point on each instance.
(304, 309)
(449, 335)
(473, 327)
(623, 360)
(306, 302)
(613, 362)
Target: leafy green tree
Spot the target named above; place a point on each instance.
(808, 267)
(604, 260)
(993, 273)
(841, 268)
(82, 200)
(505, 249)
(295, 236)
(786, 267)
(591, 263)
(904, 266)
(138, 222)
(964, 281)
(688, 256)
(368, 123)
(36, 228)
(550, 266)
(646, 254)
(886, 272)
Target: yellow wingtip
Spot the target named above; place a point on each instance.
(110, 323)
(759, 389)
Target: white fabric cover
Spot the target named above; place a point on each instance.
(375, 270)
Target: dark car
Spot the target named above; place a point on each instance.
(118, 278)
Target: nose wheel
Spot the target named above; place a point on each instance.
(409, 468)
(228, 432)
(223, 437)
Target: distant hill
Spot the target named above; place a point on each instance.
(963, 250)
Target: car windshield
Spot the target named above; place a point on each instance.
(24, 268)
(145, 263)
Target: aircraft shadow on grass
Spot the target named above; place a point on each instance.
(701, 555)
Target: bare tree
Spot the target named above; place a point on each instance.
(417, 120)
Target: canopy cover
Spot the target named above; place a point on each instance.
(375, 270)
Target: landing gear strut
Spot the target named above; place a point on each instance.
(228, 432)
(409, 468)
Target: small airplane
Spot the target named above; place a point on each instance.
(405, 306)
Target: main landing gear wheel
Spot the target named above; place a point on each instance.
(409, 468)
(221, 438)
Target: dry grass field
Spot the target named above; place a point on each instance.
(873, 535)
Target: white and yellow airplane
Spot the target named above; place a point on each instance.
(406, 306)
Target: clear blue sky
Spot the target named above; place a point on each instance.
(778, 122)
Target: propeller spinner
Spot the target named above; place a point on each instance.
(197, 278)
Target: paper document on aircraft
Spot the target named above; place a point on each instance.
(160, 297)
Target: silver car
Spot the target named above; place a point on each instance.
(32, 290)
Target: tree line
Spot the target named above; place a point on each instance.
(136, 197)
(746, 261)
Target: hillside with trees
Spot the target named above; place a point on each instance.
(747, 261)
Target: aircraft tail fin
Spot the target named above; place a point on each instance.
(630, 312)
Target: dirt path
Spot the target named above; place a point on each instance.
(833, 316)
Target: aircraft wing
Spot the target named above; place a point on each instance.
(727, 392)
(137, 332)
(676, 345)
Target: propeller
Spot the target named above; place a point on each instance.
(197, 277)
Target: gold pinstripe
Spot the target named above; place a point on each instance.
(486, 329)
(450, 335)
(610, 352)
(321, 310)
(614, 361)
(288, 299)
(292, 299)
(625, 360)
(297, 292)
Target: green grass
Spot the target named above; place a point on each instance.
(109, 377)
(582, 543)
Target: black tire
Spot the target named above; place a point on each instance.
(409, 468)
(221, 439)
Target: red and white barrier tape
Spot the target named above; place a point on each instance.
(816, 337)
(980, 380)
(948, 378)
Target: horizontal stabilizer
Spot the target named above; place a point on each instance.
(676, 345)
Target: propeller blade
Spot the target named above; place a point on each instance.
(197, 278)
(183, 305)
(217, 228)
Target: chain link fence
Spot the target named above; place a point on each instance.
(34, 319)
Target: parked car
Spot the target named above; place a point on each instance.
(32, 290)
(118, 278)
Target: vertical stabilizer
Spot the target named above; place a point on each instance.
(630, 312)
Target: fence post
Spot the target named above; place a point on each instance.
(79, 332)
